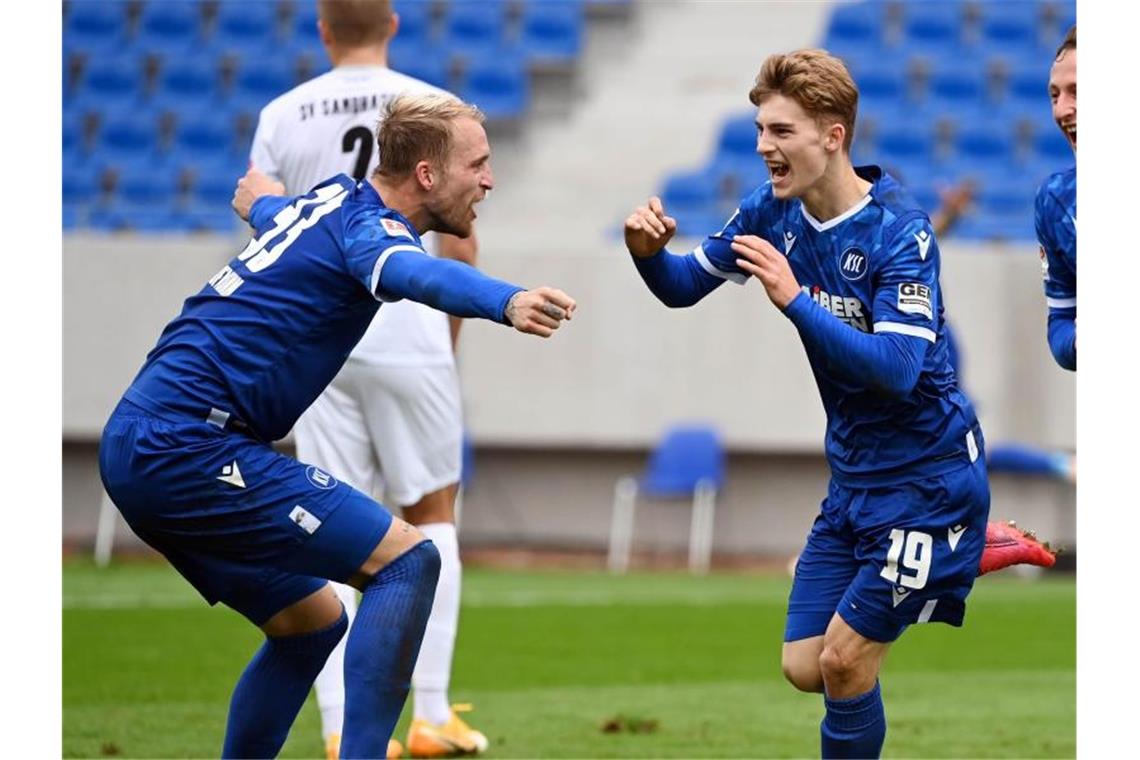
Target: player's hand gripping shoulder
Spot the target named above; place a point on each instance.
(761, 259)
(648, 229)
(539, 311)
(251, 187)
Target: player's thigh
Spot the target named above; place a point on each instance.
(415, 423)
(920, 544)
(333, 435)
(823, 572)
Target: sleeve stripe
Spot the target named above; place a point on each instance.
(1061, 303)
(702, 258)
(384, 257)
(904, 329)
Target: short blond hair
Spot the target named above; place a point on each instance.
(417, 127)
(1069, 43)
(354, 23)
(815, 79)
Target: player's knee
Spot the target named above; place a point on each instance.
(418, 567)
(837, 664)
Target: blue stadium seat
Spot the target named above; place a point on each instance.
(146, 185)
(264, 80)
(120, 217)
(879, 82)
(1003, 228)
(1030, 82)
(689, 462)
(421, 59)
(214, 183)
(126, 137)
(906, 142)
(204, 134)
(81, 182)
(499, 87)
(984, 141)
(95, 27)
(245, 24)
(935, 25)
(191, 80)
(305, 20)
(474, 29)
(1011, 26)
(552, 32)
(1009, 197)
(1051, 146)
(690, 190)
(415, 19)
(856, 23)
(112, 80)
(212, 218)
(955, 87)
(171, 26)
(738, 137)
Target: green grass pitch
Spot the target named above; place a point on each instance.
(547, 658)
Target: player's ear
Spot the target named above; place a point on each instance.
(425, 175)
(393, 25)
(324, 33)
(833, 137)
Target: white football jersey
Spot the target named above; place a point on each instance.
(327, 126)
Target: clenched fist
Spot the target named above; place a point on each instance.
(539, 311)
(648, 229)
(251, 187)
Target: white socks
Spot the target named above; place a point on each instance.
(330, 681)
(433, 668)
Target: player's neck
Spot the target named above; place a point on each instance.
(835, 192)
(402, 198)
(372, 55)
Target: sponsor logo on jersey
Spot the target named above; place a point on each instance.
(320, 478)
(898, 593)
(954, 535)
(226, 281)
(1044, 263)
(304, 519)
(853, 264)
(847, 308)
(396, 228)
(914, 298)
(922, 237)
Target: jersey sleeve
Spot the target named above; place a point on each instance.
(715, 254)
(905, 297)
(370, 238)
(261, 155)
(1054, 238)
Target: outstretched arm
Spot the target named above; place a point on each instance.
(463, 291)
(677, 281)
(458, 249)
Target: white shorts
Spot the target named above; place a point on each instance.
(395, 433)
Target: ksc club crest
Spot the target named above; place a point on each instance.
(320, 478)
(853, 264)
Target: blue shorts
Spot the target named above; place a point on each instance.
(889, 556)
(245, 525)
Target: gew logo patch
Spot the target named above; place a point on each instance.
(914, 298)
(320, 478)
(853, 264)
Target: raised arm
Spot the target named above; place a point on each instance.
(677, 281)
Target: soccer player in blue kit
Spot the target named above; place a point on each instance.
(1056, 213)
(901, 532)
(186, 457)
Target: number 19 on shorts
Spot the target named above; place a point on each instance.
(915, 549)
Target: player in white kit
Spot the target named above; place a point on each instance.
(390, 424)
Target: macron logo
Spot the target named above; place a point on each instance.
(922, 237)
(954, 535)
(232, 475)
(789, 241)
(898, 593)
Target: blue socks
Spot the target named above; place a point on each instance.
(272, 689)
(382, 649)
(854, 727)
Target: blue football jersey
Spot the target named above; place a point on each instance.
(1056, 221)
(876, 268)
(269, 331)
